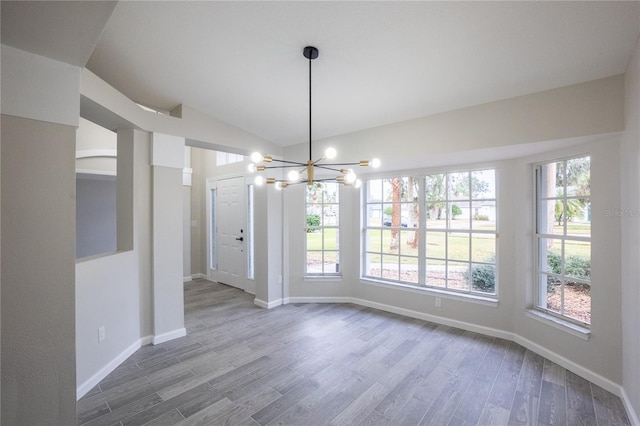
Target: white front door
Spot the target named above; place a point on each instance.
(231, 235)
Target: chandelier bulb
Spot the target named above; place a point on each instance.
(375, 163)
(357, 184)
(330, 153)
(293, 176)
(259, 180)
(350, 177)
(256, 157)
(252, 168)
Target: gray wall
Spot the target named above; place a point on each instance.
(38, 238)
(38, 278)
(120, 282)
(630, 225)
(96, 231)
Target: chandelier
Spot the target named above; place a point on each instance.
(305, 172)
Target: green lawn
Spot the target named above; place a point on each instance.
(483, 246)
(314, 240)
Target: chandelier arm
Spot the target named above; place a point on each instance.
(342, 164)
(286, 166)
(328, 168)
(290, 162)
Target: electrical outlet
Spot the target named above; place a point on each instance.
(101, 334)
(438, 302)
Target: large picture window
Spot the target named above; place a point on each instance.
(322, 236)
(563, 239)
(391, 236)
(461, 231)
(435, 231)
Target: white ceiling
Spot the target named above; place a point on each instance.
(380, 62)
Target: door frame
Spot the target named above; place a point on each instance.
(212, 270)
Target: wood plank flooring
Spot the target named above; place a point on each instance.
(336, 364)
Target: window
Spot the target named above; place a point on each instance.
(224, 158)
(250, 233)
(563, 239)
(453, 247)
(391, 235)
(322, 247)
(461, 231)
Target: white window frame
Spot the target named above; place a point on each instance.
(322, 227)
(422, 229)
(540, 275)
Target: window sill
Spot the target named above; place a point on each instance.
(569, 327)
(316, 278)
(472, 298)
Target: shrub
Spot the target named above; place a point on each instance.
(578, 267)
(313, 220)
(575, 266)
(554, 262)
(481, 217)
(483, 277)
(455, 211)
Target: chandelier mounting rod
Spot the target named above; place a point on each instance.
(310, 53)
(306, 174)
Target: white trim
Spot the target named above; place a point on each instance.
(187, 279)
(488, 331)
(170, 335)
(407, 313)
(89, 153)
(585, 373)
(88, 384)
(581, 371)
(633, 417)
(96, 172)
(465, 297)
(319, 300)
(564, 325)
(198, 276)
(268, 305)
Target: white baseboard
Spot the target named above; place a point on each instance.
(599, 380)
(198, 276)
(407, 313)
(187, 279)
(268, 305)
(487, 331)
(585, 373)
(88, 384)
(170, 335)
(319, 300)
(633, 416)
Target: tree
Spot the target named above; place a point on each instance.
(461, 187)
(395, 215)
(435, 195)
(455, 211)
(415, 210)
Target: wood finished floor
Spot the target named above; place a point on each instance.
(338, 364)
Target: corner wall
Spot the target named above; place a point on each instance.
(38, 277)
(630, 225)
(40, 116)
(118, 282)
